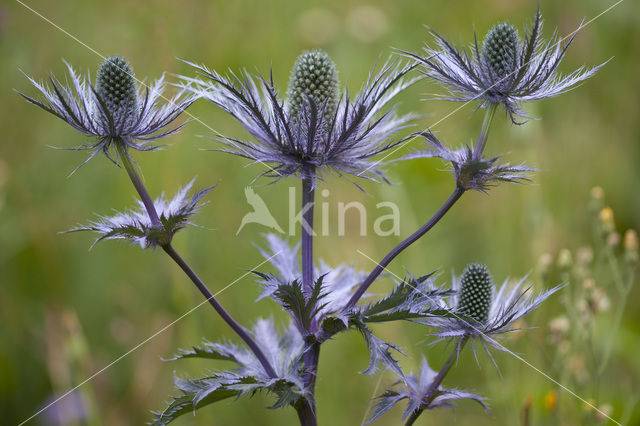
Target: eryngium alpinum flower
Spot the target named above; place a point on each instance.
(314, 78)
(506, 70)
(136, 227)
(116, 110)
(414, 389)
(471, 173)
(481, 311)
(313, 129)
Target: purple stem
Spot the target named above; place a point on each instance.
(484, 132)
(137, 183)
(153, 215)
(307, 410)
(457, 193)
(244, 335)
(307, 414)
(307, 231)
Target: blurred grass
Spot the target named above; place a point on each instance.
(67, 312)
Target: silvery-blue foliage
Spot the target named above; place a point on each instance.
(135, 226)
(410, 299)
(345, 141)
(284, 351)
(415, 389)
(338, 282)
(469, 172)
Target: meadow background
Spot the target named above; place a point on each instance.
(65, 311)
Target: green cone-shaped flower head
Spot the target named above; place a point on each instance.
(475, 292)
(116, 85)
(313, 77)
(499, 50)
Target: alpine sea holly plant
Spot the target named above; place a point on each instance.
(317, 128)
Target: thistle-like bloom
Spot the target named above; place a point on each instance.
(480, 311)
(471, 173)
(506, 70)
(416, 390)
(136, 227)
(116, 110)
(314, 129)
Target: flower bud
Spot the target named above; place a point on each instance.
(314, 78)
(597, 194)
(560, 325)
(545, 264)
(613, 239)
(565, 260)
(499, 50)
(116, 85)
(550, 400)
(476, 290)
(630, 243)
(606, 220)
(604, 412)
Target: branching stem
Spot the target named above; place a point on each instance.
(155, 220)
(457, 193)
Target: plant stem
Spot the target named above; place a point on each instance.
(307, 231)
(413, 417)
(155, 220)
(484, 132)
(307, 412)
(240, 331)
(137, 183)
(457, 193)
(437, 381)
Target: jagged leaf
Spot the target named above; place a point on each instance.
(417, 390)
(379, 350)
(410, 299)
(196, 394)
(210, 350)
(303, 310)
(385, 402)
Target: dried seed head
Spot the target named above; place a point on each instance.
(499, 50)
(476, 290)
(116, 85)
(314, 78)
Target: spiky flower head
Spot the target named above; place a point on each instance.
(116, 85)
(506, 70)
(314, 78)
(116, 110)
(297, 136)
(476, 289)
(481, 311)
(500, 50)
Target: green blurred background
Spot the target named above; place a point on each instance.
(67, 312)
